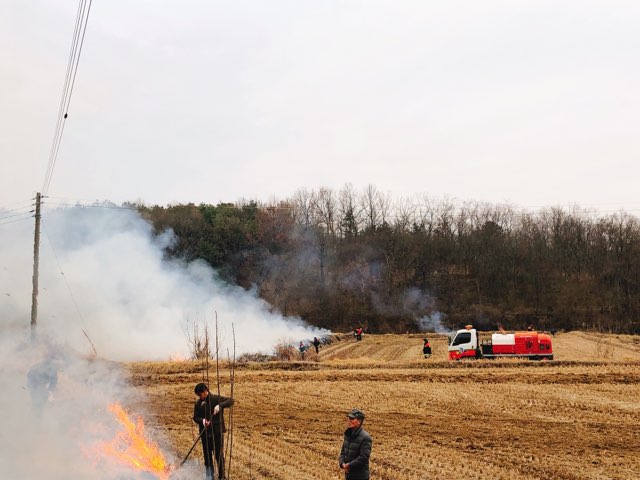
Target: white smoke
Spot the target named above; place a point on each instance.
(104, 272)
(433, 323)
(59, 433)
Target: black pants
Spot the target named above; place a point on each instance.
(211, 444)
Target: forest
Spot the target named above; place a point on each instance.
(345, 258)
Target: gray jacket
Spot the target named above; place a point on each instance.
(356, 450)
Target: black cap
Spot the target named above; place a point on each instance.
(355, 413)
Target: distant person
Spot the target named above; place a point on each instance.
(355, 333)
(316, 344)
(42, 379)
(208, 414)
(359, 333)
(426, 348)
(553, 332)
(301, 348)
(356, 448)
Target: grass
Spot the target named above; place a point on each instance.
(574, 418)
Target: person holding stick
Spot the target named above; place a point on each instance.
(208, 415)
(356, 448)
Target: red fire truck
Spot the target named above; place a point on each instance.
(533, 345)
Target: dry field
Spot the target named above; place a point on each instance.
(574, 418)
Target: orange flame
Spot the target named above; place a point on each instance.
(131, 446)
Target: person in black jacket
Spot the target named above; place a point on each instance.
(356, 448)
(426, 348)
(42, 379)
(207, 413)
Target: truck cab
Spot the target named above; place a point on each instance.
(464, 344)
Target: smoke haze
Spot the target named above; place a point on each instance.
(103, 271)
(433, 323)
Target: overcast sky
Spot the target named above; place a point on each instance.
(529, 102)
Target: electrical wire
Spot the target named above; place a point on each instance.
(82, 18)
(71, 205)
(55, 256)
(3, 212)
(4, 217)
(23, 204)
(16, 220)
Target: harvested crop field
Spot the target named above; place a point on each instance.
(574, 418)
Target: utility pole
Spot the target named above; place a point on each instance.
(36, 260)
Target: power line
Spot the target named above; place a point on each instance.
(73, 299)
(78, 205)
(23, 204)
(80, 29)
(2, 212)
(4, 217)
(16, 220)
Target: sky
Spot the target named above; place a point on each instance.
(533, 103)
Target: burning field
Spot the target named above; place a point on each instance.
(574, 418)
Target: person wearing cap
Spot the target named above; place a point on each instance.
(356, 448)
(207, 413)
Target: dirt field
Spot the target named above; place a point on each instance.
(574, 418)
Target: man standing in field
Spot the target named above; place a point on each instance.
(356, 448)
(42, 379)
(207, 413)
(426, 348)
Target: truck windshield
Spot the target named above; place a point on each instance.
(464, 337)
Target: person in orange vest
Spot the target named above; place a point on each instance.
(426, 348)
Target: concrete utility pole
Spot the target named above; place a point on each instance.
(36, 260)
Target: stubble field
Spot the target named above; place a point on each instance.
(574, 418)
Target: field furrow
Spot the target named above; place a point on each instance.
(512, 420)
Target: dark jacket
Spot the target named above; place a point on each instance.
(356, 450)
(204, 409)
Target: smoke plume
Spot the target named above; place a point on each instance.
(102, 271)
(433, 323)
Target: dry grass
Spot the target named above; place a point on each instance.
(575, 418)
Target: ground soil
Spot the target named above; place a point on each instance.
(577, 417)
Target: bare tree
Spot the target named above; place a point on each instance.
(325, 207)
(197, 337)
(370, 202)
(350, 212)
(303, 204)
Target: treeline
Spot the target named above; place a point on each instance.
(344, 258)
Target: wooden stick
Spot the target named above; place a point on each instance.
(192, 447)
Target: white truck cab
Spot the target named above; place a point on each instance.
(464, 344)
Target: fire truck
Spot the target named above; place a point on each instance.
(533, 345)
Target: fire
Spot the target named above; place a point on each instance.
(177, 357)
(131, 446)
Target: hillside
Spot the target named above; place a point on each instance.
(430, 419)
(337, 268)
